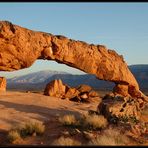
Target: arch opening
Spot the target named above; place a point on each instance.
(42, 72)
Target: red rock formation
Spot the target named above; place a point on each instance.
(20, 47)
(55, 89)
(83, 93)
(3, 84)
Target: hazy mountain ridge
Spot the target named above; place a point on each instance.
(141, 74)
(35, 77)
(38, 80)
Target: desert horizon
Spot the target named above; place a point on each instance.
(68, 78)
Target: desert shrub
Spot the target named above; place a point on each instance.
(95, 121)
(131, 119)
(110, 137)
(31, 128)
(102, 140)
(13, 135)
(68, 120)
(124, 119)
(92, 121)
(66, 142)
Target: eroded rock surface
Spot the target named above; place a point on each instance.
(20, 47)
(55, 88)
(82, 93)
(121, 107)
(3, 84)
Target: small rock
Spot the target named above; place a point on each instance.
(77, 130)
(34, 134)
(41, 142)
(88, 135)
(66, 133)
(84, 96)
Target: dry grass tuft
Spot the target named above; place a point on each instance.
(13, 135)
(32, 127)
(95, 121)
(110, 137)
(62, 141)
(68, 120)
(25, 130)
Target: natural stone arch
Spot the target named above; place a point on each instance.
(20, 47)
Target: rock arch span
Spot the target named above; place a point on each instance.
(20, 47)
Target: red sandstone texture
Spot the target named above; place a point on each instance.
(20, 47)
(3, 84)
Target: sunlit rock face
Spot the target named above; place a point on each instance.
(82, 93)
(3, 84)
(56, 88)
(20, 47)
(118, 107)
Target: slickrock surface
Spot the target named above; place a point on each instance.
(20, 47)
(3, 84)
(20, 107)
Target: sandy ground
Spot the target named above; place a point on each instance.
(19, 107)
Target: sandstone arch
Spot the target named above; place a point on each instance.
(20, 47)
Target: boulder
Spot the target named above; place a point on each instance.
(71, 93)
(93, 93)
(133, 92)
(84, 96)
(120, 107)
(3, 84)
(55, 89)
(84, 88)
(121, 89)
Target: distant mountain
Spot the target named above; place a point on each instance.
(36, 77)
(141, 74)
(38, 80)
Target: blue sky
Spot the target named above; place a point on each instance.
(120, 26)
